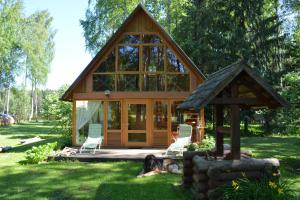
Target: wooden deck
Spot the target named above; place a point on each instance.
(116, 155)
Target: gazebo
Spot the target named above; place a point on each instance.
(238, 87)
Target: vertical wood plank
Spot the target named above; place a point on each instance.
(105, 113)
(235, 125)
(202, 124)
(74, 122)
(219, 135)
(169, 122)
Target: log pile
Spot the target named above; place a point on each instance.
(208, 175)
(187, 178)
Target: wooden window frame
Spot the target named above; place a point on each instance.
(141, 72)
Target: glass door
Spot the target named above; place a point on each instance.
(136, 123)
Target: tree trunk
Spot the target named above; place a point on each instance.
(7, 100)
(32, 105)
(36, 102)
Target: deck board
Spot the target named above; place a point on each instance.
(116, 155)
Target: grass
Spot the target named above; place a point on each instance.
(75, 180)
(111, 180)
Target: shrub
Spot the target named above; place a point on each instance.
(243, 189)
(207, 144)
(64, 141)
(40, 153)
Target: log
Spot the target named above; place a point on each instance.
(237, 175)
(198, 195)
(241, 165)
(215, 183)
(213, 194)
(188, 163)
(5, 148)
(201, 164)
(200, 187)
(187, 180)
(189, 155)
(200, 177)
(188, 172)
(31, 140)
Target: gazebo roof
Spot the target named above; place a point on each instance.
(251, 87)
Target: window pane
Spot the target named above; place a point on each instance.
(177, 116)
(136, 117)
(150, 39)
(128, 58)
(173, 64)
(88, 112)
(130, 39)
(114, 115)
(178, 82)
(153, 59)
(108, 65)
(103, 82)
(153, 82)
(136, 137)
(160, 115)
(128, 82)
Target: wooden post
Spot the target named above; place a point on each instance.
(235, 126)
(219, 134)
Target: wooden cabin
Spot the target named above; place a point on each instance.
(133, 86)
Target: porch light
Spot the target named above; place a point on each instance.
(107, 93)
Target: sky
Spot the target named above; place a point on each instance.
(70, 54)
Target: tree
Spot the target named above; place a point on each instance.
(103, 18)
(220, 32)
(10, 51)
(39, 50)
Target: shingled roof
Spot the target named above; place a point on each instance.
(216, 82)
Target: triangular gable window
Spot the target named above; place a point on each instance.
(108, 65)
(141, 62)
(173, 64)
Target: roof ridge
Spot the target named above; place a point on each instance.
(225, 68)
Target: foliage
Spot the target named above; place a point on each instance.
(10, 20)
(103, 18)
(207, 144)
(40, 153)
(244, 189)
(220, 32)
(60, 111)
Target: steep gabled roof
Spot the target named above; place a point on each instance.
(67, 95)
(217, 82)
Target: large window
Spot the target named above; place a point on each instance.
(141, 62)
(160, 115)
(88, 113)
(114, 115)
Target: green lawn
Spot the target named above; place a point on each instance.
(75, 180)
(111, 180)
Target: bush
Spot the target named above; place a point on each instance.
(64, 141)
(243, 189)
(207, 144)
(40, 153)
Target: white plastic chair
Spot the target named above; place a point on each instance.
(94, 138)
(184, 138)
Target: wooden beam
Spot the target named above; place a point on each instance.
(235, 125)
(131, 95)
(234, 101)
(219, 135)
